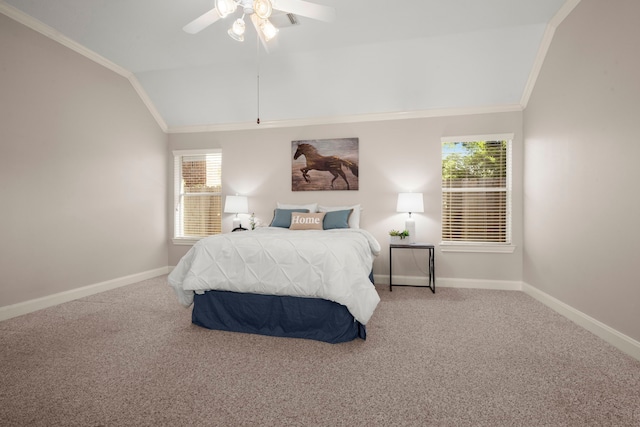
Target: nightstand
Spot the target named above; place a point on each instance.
(431, 263)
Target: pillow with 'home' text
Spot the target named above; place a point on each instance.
(282, 217)
(306, 221)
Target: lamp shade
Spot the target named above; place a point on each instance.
(236, 204)
(236, 31)
(262, 8)
(410, 202)
(267, 29)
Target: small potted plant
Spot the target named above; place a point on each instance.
(396, 236)
(254, 222)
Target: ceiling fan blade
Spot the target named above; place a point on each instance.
(305, 8)
(202, 22)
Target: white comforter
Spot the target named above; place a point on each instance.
(328, 264)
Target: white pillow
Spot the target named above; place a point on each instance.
(354, 218)
(312, 207)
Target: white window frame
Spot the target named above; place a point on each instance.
(488, 247)
(178, 219)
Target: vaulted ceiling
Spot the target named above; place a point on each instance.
(377, 57)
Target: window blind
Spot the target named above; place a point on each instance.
(198, 190)
(476, 191)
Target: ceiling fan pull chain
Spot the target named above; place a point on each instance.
(258, 73)
(258, 121)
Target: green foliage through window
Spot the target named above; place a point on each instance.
(476, 191)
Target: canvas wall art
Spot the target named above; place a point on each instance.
(324, 164)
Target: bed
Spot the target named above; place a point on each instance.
(292, 279)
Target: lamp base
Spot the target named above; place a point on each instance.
(410, 226)
(237, 222)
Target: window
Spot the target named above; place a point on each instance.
(197, 193)
(476, 191)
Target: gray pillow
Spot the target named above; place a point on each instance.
(336, 219)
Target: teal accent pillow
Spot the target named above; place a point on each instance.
(282, 217)
(336, 219)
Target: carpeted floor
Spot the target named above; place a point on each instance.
(131, 357)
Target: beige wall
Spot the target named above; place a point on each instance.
(581, 204)
(82, 167)
(395, 156)
(85, 172)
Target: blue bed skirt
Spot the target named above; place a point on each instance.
(281, 316)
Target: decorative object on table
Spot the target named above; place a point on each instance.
(237, 205)
(397, 237)
(252, 221)
(410, 203)
(338, 157)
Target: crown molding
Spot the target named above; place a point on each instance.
(355, 118)
(547, 37)
(55, 35)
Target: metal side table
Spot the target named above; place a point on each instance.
(431, 262)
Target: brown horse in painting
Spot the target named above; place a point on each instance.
(332, 164)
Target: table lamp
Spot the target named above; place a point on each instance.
(237, 205)
(410, 202)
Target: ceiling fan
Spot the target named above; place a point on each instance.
(259, 12)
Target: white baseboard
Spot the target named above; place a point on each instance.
(498, 285)
(9, 311)
(624, 343)
(444, 282)
(617, 339)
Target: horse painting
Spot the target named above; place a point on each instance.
(332, 164)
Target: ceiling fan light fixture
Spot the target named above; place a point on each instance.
(225, 7)
(262, 8)
(236, 31)
(268, 30)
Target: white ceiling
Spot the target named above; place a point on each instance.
(421, 55)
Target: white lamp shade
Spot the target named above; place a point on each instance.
(262, 8)
(236, 31)
(410, 202)
(268, 30)
(236, 204)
